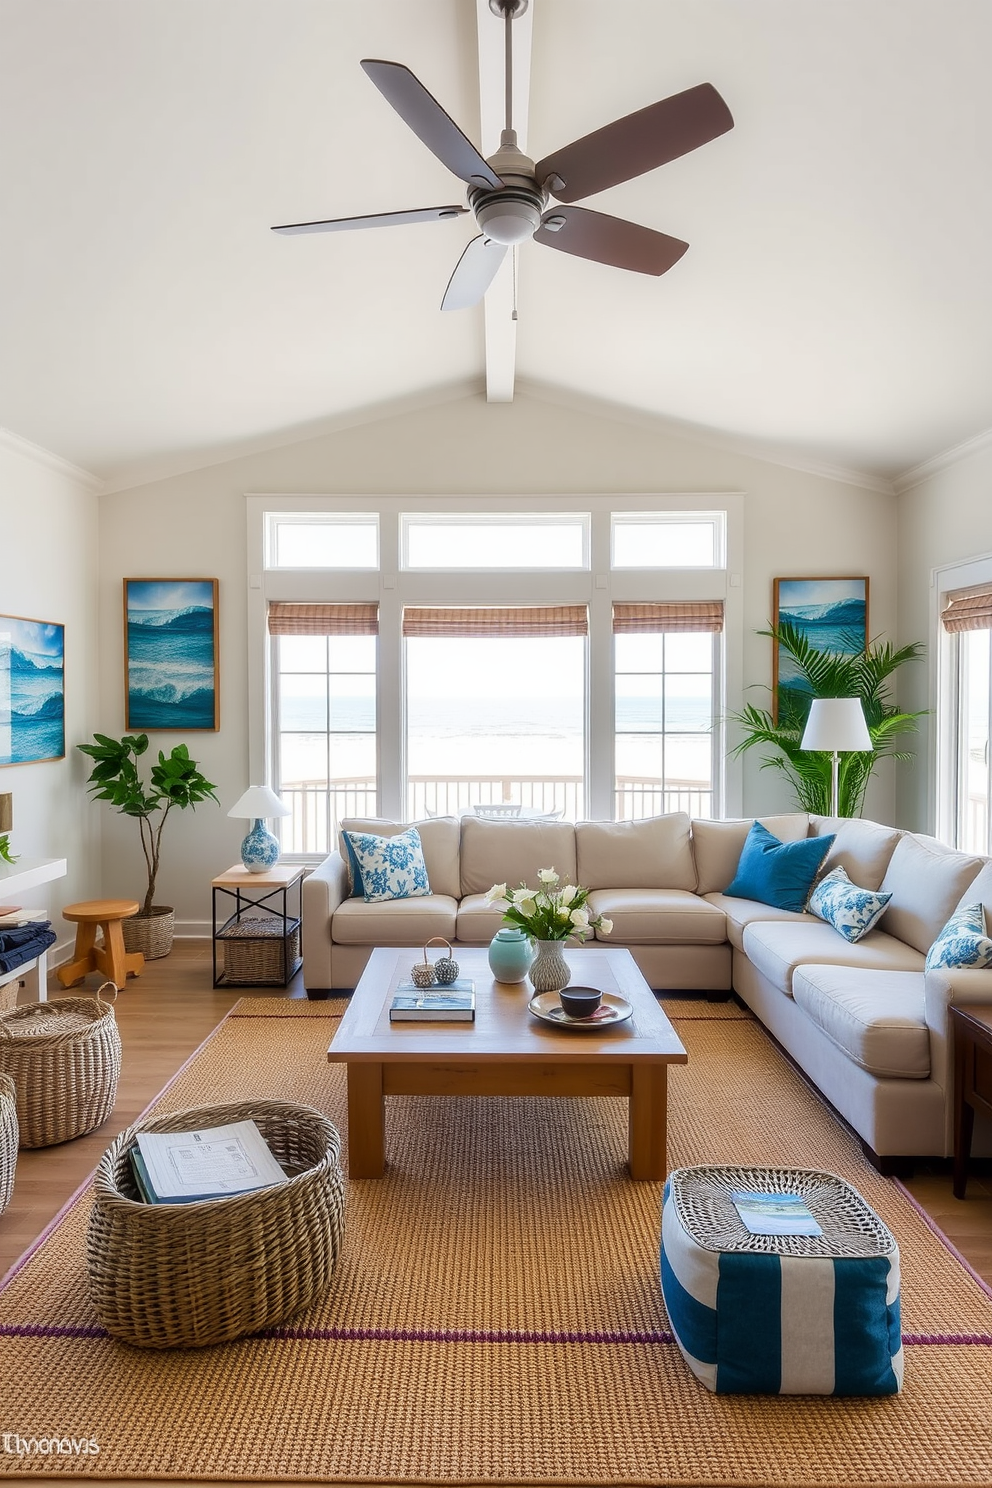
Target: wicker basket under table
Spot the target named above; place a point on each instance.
(64, 1058)
(188, 1275)
(255, 948)
(8, 1139)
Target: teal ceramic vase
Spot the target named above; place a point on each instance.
(510, 955)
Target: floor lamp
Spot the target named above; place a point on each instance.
(836, 726)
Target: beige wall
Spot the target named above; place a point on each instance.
(945, 519)
(48, 563)
(194, 525)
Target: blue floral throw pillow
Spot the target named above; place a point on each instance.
(964, 940)
(388, 867)
(851, 911)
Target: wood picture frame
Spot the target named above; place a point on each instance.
(171, 655)
(831, 612)
(32, 690)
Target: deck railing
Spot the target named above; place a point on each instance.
(318, 806)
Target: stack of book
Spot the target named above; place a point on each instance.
(454, 1003)
(187, 1167)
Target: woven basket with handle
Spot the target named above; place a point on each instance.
(8, 1139)
(64, 1058)
(188, 1275)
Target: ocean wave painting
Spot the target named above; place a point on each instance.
(170, 655)
(32, 691)
(831, 613)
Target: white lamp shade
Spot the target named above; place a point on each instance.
(258, 802)
(837, 724)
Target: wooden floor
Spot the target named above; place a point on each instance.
(168, 1011)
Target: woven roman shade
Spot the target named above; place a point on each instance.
(545, 620)
(678, 615)
(322, 619)
(968, 609)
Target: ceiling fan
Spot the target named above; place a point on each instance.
(509, 194)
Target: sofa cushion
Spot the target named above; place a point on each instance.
(779, 873)
(394, 922)
(477, 920)
(658, 917)
(980, 889)
(511, 852)
(387, 867)
(851, 910)
(740, 913)
(776, 949)
(964, 940)
(862, 848)
(651, 854)
(717, 845)
(439, 838)
(878, 1021)
(926, 881)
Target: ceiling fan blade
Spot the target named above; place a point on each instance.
(609, 240)
(474, 272)
(637, 143)
(376, 219)
(425, 116)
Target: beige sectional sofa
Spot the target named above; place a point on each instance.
(864, 1021)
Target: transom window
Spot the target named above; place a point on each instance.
(322, 540)
(497, 540)
(668, 539)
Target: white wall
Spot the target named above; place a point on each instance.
(945, 519)
(194, 525)
(48, 571)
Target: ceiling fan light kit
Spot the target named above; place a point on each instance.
(508, 194)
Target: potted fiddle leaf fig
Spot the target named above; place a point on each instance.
(175, 781)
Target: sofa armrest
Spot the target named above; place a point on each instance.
(950, 984)
(323, 890)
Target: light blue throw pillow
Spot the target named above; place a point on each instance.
(388, 867)
(851, 911)
(778, 873)
(964, 940)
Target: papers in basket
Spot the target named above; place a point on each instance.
(183, 1167)
(774, 1214)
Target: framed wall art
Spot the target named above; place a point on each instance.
(32, 690)
(171, 676)
(831, 613)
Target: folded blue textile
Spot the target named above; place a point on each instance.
(19, 935)
(14, 956)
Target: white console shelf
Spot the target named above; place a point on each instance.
(16, 880)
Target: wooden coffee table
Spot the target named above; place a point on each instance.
(506, 1051)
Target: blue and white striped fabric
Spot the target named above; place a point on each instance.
(754, 1322)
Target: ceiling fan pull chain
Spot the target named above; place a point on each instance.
(513, 278)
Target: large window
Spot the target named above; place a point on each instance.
(324, 674)
(967, 624)
(664, 658)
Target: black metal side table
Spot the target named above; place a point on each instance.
(278, 894)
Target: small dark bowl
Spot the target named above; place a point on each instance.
(580, 1002)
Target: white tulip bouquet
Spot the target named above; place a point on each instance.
(555, 911)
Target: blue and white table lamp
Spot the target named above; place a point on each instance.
(260, 849)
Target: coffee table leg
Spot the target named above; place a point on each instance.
(648, 1121)
(366, 1121)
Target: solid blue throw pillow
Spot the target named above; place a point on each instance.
(778, 873)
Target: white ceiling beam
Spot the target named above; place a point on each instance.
(500, 301)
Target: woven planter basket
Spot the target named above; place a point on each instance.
(253, 951)
(8, 1139)
(188, 1275)
(150, 934)
(64, 1058)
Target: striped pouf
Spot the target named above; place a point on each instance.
(780, 1314)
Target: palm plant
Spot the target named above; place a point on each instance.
(822, 674)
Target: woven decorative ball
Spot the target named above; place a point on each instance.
(422, 974)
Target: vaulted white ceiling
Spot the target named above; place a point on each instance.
(835, 302)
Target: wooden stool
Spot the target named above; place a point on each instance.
(110, 959)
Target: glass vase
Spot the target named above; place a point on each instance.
(550, 971)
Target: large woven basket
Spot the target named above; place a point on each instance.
(8, 1139)
(188, 1275)
(253, 951)
(150, 934)
(64, 1058)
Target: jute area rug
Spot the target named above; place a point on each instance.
(496, 1314)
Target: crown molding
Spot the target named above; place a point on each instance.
(148, 472)
(28, 451)
(942, 461)
(752, 449)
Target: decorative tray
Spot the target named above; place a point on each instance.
(613, 1009)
